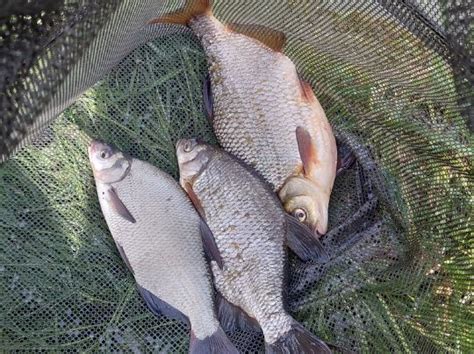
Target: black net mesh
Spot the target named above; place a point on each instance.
(395, 80)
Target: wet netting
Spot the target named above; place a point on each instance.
(396, 81)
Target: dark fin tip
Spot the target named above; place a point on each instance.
(217, 343)
(344, 161)
(273, 39)
(191, 9)
(160, 307)
(298, 340)
(233, 318)
(208, 99)
(303, 242)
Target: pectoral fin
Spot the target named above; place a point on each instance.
(117, 205)
(345, 158)
(208, 100)
(233, 318)
(301, 240)
(306, 149)
(194, 199)
(271, 38)
(209, 243)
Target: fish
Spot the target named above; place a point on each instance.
(159, 235)
(251, 231)
(264, 113)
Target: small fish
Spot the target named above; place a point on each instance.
(250, 230)
(264, 113)
(158, 234)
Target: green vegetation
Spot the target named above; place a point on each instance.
(406, 288)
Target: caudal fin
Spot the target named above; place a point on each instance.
(217, 343)
(191, 9)
(297, 340)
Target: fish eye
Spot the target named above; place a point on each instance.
(188, 146)
(300, 214)
(104, 154)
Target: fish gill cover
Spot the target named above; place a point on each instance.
(400, 220)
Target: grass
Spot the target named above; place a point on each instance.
(404, 286)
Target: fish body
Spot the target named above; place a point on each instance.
(157, 231)
(250, 229)
(259, 101)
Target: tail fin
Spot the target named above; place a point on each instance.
(297, 340)
(216, 343)
(191, 9)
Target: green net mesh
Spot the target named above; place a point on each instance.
(396, 84)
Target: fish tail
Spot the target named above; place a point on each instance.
(216, 343)
(297, 340)
(191, 9)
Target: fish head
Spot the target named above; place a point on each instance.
(108, 164)
(193, 156)
(307, 202)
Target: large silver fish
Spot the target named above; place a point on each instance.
(158, 233)
(263, 112)
(250, 230)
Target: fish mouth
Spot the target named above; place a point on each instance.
(179, 143)
(94, 146)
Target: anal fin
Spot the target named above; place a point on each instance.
(216, 343)
(160, 307)
(302, 241)
(233, 317)
(273, 39)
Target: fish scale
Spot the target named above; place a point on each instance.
(258, 103)
(252, 248)
(164, 252)
(250, 233)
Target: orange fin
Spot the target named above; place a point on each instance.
(271, 38)
(307, 150)
(191, 9)
(194, 199)
(306, 91)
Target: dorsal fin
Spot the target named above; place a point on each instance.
(306, 91)
(191, 9)
(273, 39)
(306, 149)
